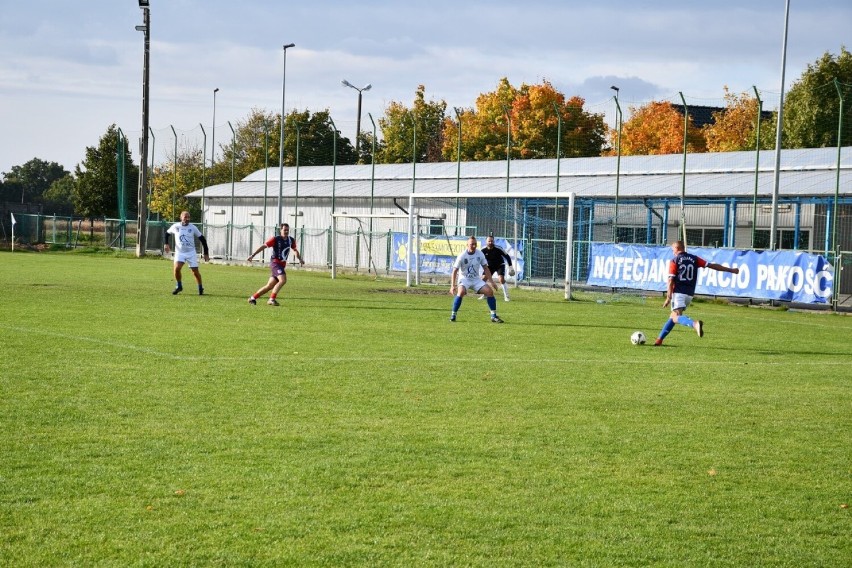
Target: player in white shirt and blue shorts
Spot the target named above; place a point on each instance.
(185, 234)
(470, 272)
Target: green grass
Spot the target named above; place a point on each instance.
(355, 425)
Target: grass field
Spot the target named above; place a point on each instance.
(355, 425)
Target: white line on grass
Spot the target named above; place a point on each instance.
(373, 359)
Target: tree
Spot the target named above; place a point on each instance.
(398, 126)
(657, 128)
(535, 124)
(96, 191)
(58, 199)
(812, 108)
(316, 141)
(532, 110)
(32, 179)
(257, 133)
(172, 180)
(735, 128)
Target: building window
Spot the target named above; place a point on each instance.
(785, 239)
(436, 226)
(636, 235)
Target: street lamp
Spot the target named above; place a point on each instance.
(281, 140)
(346, 83)
(142, 195)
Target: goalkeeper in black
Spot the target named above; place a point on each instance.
(498, 263)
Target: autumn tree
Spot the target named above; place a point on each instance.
(398, 130)
(735, 128)
(531, 111)
(483, 129)
(812, 108)
(657, 128)
(173, 179)
(535, 124)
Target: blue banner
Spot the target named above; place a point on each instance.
(769, 275)
(437, 254)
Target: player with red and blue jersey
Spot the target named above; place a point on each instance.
(282, 245)
(683, 277)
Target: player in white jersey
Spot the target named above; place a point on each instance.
(470, 272)
(185, 234)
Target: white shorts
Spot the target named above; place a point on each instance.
(680, 301)
(190, 258)
(475, 285)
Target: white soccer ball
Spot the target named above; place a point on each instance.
(638, 338)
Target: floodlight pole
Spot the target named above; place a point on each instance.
(360, 90)
(458, 168)
(413, 150)
(683, 176)
(142, 195)
(203, 173)
(281, 137)
(756, 165)
(618, 118)
(773, 245)
(372, 192)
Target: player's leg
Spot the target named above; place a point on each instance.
(668, 326)
(503, 285)
(492, 301)
(263, 290)
(461, 291)
(193, 265)
(280, 280)
(178, 265)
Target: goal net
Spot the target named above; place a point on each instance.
(362, 241)
(535, 229)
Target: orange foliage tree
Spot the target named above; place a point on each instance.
(735, 128)
(532, 110)
(657, 128)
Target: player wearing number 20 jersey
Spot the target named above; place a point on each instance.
(683, 277)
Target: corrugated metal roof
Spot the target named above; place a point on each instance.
(809, 172)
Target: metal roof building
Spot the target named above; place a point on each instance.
(812, 173)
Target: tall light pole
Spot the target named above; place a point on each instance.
(142, 195)
(779, 127)
(618, 118)
(281, 137)
(213, 143)
(346, 83)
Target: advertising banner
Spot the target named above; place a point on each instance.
(770, 275)
(437, 254)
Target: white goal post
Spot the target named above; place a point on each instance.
(515, 216)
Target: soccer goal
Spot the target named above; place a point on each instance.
(536, 229)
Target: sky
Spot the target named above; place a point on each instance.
(69, 70)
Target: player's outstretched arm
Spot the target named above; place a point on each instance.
(259, 249)
(723, 268)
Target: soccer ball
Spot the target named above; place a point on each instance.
(638, 338)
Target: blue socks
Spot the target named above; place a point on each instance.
(492, 304)
(457, 303)
(667, 328)
(685, 320)
(670, 323)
